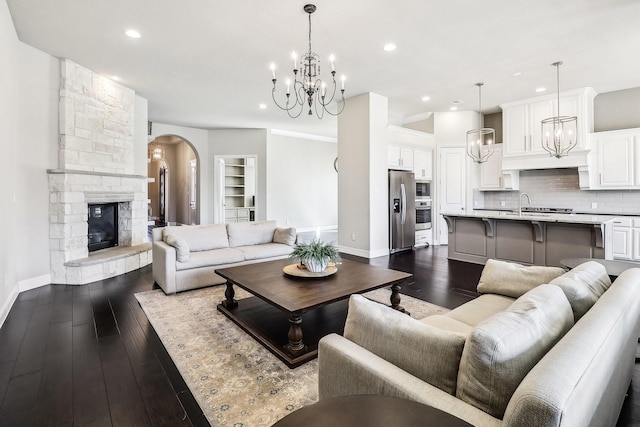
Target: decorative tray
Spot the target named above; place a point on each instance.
(299, 271)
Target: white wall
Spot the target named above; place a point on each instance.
(363, 180)
(301, 182)
(29, 84)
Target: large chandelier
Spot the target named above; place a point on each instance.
(308, 88)
(559, 133)
(480, 141)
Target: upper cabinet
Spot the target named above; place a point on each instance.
(522, 130)
(615, 159)
(400, 157)
(410, 150)
(423, 164)
(493, 178)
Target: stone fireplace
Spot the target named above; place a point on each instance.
(96, 159)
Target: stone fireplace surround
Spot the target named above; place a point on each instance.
(96, 159)
(70, 194)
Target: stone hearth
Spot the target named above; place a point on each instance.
(96, 159)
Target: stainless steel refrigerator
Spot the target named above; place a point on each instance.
(402, 211)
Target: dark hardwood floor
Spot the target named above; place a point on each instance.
(87, 355)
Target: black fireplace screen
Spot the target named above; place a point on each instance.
(103, 226)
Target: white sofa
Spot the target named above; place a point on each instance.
(186, 257)
(524, 353)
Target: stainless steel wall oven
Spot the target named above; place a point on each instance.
(423, 214)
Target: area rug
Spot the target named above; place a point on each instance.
(235, 380)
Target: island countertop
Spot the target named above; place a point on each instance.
(536, 216)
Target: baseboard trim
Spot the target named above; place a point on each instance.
(354, 251)
(34, 282)
(6, 308)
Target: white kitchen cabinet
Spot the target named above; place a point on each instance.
(626, 238)
(615, 160)
(423, 164)
(424, 238)
(400, 157)
(522, 129)
(636, 243)
(492, 178)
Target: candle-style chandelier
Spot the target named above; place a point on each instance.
(308, 87)
(559, 133)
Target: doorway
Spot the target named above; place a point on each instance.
(174, 182)
(235, 188)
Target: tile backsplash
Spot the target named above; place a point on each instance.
(559, 188)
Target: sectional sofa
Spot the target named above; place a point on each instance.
(539, 347)
(186, 257)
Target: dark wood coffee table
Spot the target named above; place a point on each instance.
(369, 411)
(280, 302)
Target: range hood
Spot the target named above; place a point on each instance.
(583, 170)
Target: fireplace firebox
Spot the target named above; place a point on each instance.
(103, 226)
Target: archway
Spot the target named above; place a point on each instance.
(174, 181)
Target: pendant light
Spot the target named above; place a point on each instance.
(480, 142)
(559, 133)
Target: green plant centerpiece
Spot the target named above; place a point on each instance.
(315, 255)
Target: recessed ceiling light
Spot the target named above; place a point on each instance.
(389, 47)
(426, 98)
(454, 108)
(262, 106)
(134, 34)
(517, 74)
(456, 102)
(116, 78)
(541, 89)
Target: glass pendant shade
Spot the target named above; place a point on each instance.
(480, 142)
(559, 133)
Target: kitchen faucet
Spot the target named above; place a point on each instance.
(520, 202)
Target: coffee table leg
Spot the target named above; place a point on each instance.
(229, 293)
(395, 299)
(295, 346)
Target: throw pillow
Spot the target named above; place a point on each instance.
(583, 286)
(513, 280)
(250, 233)
(182, 249)
(285, 236)
(505, 347)
(424, 351)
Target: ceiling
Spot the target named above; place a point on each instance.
(205, 63)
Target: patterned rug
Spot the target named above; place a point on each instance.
(235, 380)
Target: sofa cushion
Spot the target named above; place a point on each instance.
(211, 258)
(481, 308)
(583, 286)
(182, 249)
(266, 250)
(503, 349)
(426, 352)
(448, 323)
(250, 233)
(513, 280)
(285, 236)
(200, 237)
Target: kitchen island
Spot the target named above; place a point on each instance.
(528, 238)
